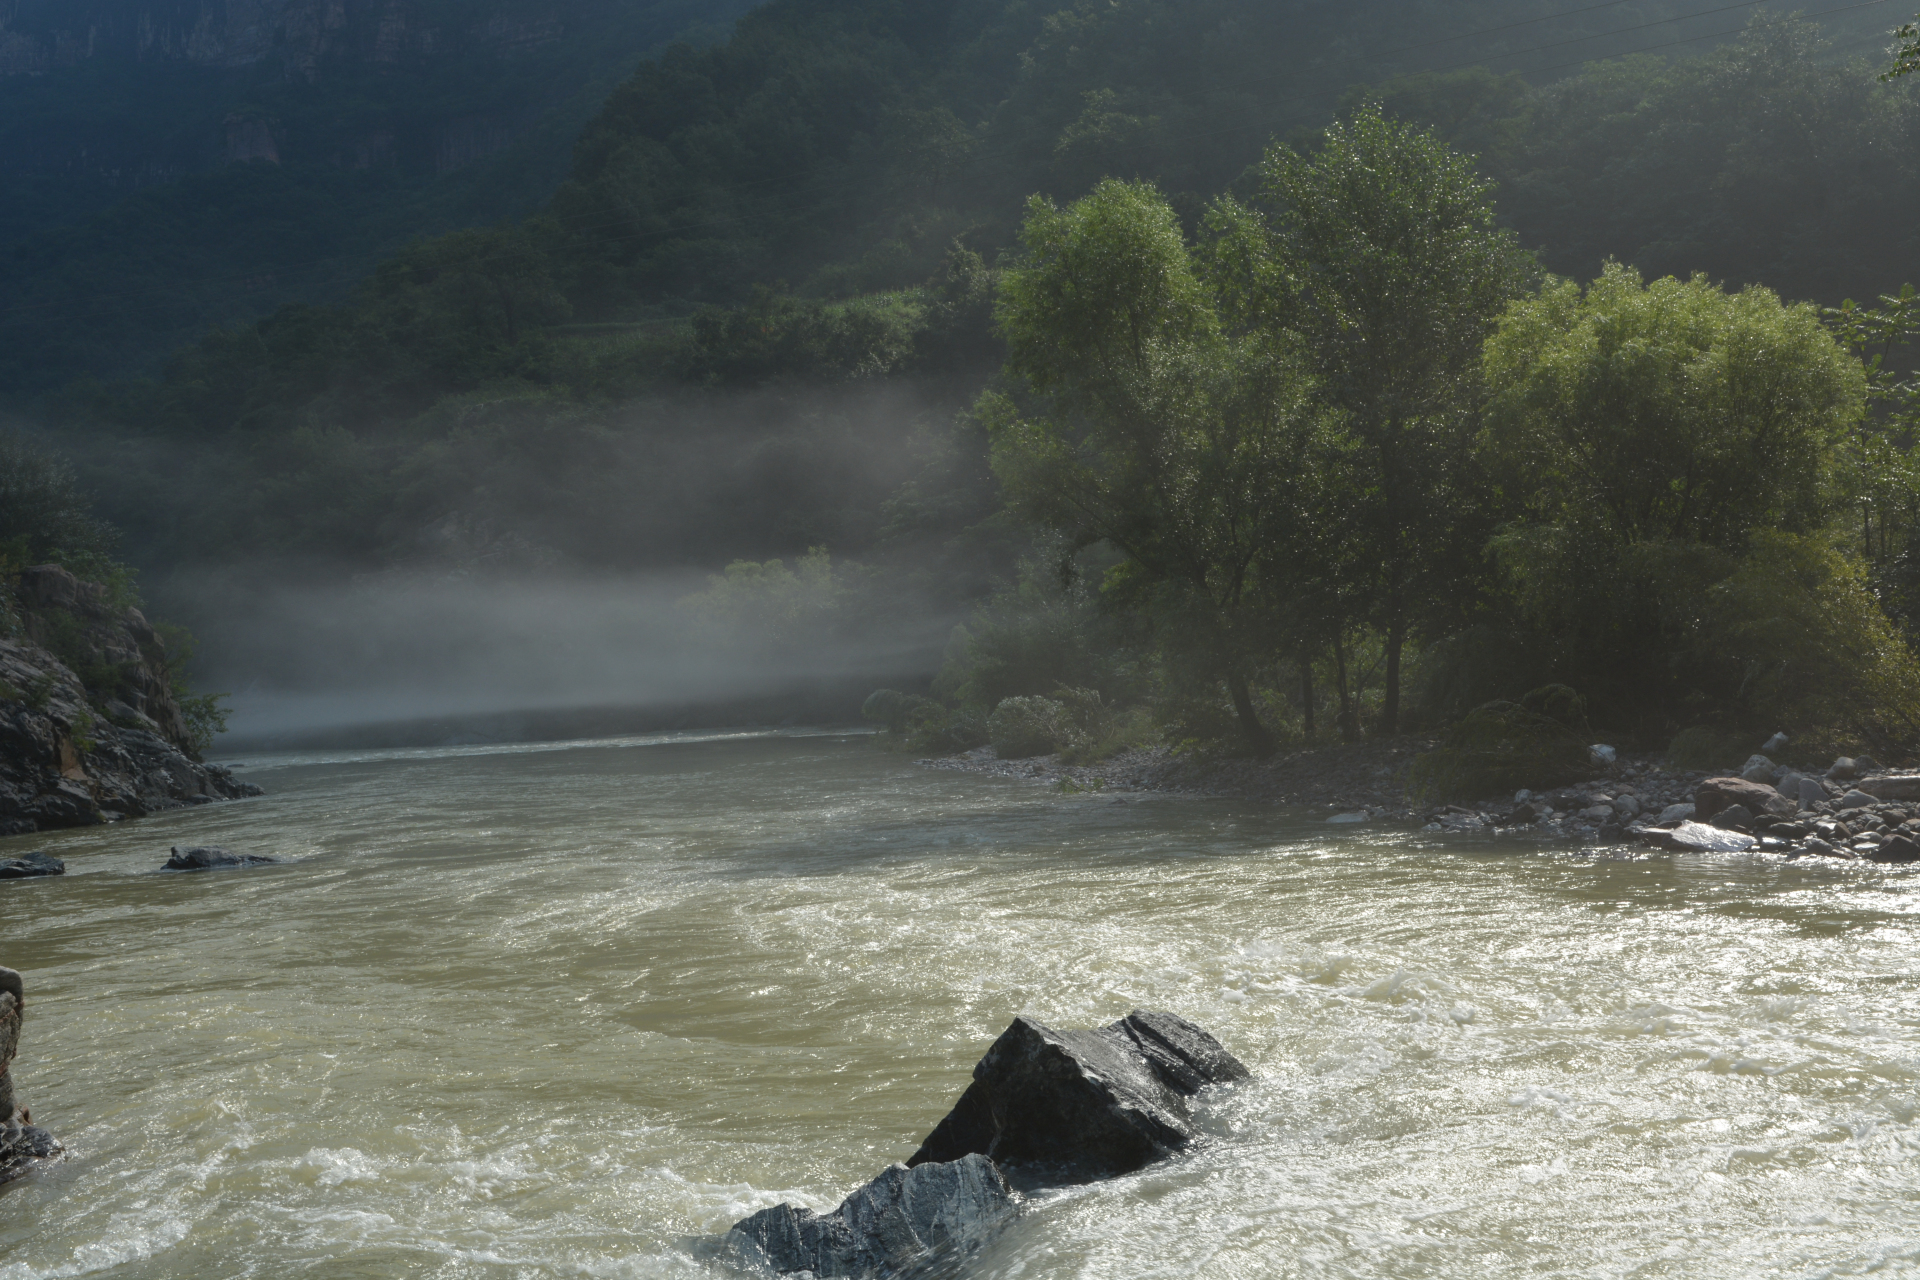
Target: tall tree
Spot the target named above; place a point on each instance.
(1158, 430)
(1380, 251)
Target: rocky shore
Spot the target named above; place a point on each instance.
(1853, 809)
(90, 730)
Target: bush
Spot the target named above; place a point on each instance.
(1021, 727)
(939, 730)
(1705, 747)
(1099, 730)
(1501, 746)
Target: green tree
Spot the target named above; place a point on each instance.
(1381, 252)
(1906, 54)
(1160, 431)
(1672, 456)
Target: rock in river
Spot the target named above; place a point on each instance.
(1697, 837)
(1083, 1103)
(32, 864)
(207, 859)
(22, 1145)
(903, 1218)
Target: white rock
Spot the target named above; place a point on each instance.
(1601, 753)
(1675, 813)
(1522, 794)
(1777, 742)
(1698, 837)
(1811, 793)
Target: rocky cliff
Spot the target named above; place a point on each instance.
(90, 729)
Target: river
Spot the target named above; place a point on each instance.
(551, 1010)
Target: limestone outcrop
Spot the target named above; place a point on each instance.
(23, 1145)
(90, 729)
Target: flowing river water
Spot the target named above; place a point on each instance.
(554, 1010)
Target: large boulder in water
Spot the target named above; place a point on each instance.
(902, 1219)
(1083, 1103)
(22, 1145)
(29, 865)
(210, 859)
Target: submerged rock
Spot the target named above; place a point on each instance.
(36, 863)
(208, 858)
(902, 1219)
(22, 1145)
(1083, 1103)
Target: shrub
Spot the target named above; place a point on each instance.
(1021, 727)
(940, 730)
(1706, 747)
(1500, 746)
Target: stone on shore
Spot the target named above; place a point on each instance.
(1892, 786)
(36, 863)
(902, 1218)
(1855, 799)
(1697, 837)
(1083, 1103)
(209, 858)
(1898, 850)
(1715, 794)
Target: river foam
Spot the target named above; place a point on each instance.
(554, 1012)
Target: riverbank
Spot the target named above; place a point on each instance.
(1632, 800)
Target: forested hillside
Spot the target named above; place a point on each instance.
(753, 317)
(172, 164)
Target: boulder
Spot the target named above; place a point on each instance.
(209, 858)
(1855, 799)
(1083, 1103)
(1757, 769)
(1841, 769)
(1715, 794)
(1733, 817)
(32, 864)
(1892, 786)
(1675, 813)
(1778, 742)
(902, 1218)
(1811, 793)
(22, 1146)
(1899, 850)
(1697, 837)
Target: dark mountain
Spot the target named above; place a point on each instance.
(172, 165)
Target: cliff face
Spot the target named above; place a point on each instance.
(90, 730)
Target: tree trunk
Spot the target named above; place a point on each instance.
(1390, 712)
(1306, 695)
(1349, 718)
(1256, 735)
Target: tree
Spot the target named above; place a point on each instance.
(1159, 431)
(1380, 251)
(1906, 54)
(1671, 455)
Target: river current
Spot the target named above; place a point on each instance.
(554, 1010)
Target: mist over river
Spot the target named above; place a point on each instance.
(551, 1010)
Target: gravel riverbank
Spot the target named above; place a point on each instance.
(1759, 807)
